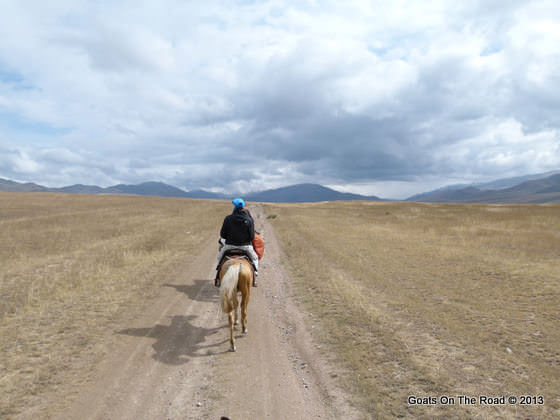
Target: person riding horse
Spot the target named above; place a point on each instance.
(238, 232)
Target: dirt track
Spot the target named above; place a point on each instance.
(173, 362)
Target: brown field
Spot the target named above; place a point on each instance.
(409, 299)
(432, 300)
(72, 268)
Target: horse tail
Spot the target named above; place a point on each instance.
(228, 289)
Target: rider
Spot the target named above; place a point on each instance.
(238, 232)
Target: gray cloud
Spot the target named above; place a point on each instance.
(246, 98)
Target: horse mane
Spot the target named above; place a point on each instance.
(228, 288)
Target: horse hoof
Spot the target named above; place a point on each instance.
(232, 349)
(236, 322)
(245, 330)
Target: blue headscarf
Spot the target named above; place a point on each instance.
(238, 203)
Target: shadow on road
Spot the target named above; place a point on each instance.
(180, 341)
(201, 290)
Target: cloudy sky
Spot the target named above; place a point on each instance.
(376, 97)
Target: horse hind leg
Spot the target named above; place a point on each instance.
(231, 338)
(236, 322)
(244, 304)
(244, 328)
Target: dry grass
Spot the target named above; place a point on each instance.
(71, 266)
(431, 300)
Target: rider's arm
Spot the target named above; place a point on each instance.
(252, 230)
(224, 230)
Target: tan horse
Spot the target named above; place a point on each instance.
(236, 275)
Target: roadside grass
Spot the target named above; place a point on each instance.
(430, 300)
(71, 266)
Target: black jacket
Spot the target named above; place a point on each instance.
(238, 229)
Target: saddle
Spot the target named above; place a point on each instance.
(233, 254)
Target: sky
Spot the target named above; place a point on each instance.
(372, 97)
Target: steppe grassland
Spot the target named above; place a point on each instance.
(72, 265)
(430, 300)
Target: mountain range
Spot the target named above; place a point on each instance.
(539, 188)
(295, 194)
(303, 193)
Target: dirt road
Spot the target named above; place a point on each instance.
(173, 361)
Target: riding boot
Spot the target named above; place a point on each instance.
(217, 279)
(255, 273)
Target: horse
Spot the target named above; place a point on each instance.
(236, 275)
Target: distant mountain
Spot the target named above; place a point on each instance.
(541, 190)
(512, 182)
(304, 193)
(206, 195)
(462, 192)
(158, 189)
(444, 192)
(79, 189)
(12, 186)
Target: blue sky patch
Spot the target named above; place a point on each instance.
(14, 79)
(13, 122)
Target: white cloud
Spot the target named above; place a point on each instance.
(504, 149)
(352, 93)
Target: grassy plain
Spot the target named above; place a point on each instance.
(432, 300)
(71, 266)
